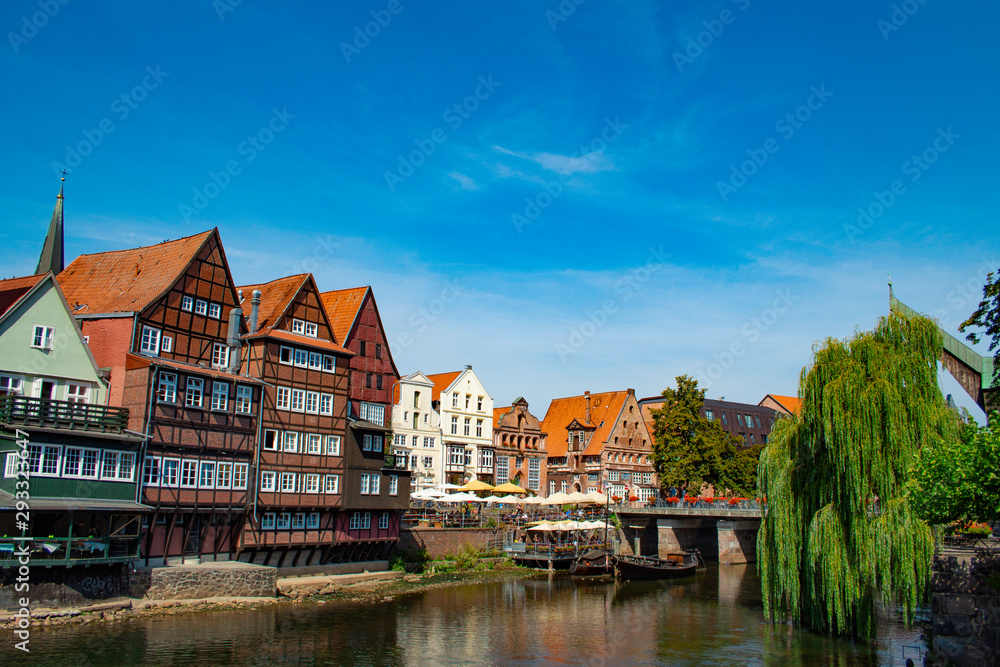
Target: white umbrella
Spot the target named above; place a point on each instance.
(534, 500)
(492, 499)
(558, 498)
(511, 500)
(577, 497)
(461, 498)
(447, 485)
(596, 497)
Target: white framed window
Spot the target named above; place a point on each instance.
(270, 439)
(166, 390)
(11, 464)
(534, 473)
(126, 467)
(393, 485)
(376, 478)
(298, 400)
(150, 341)
(479, 403)
(366, 521)
(170, 472)
(267, 521)
(267, 478)
(383, 521)
(11, 385)
(166, 344)
(284, 521)
(312, 402)
(109, 465)
(73, 462)
(312, 483)
(285, 355)
(366, 442)
(301, 358)
(373, 413)
(312, 521)
(326, 404)
(316, 360)
(333, 483)
(194, 394)
(291, 442)
(312, 330)
(77, 393)
(298, 326)
(466, 425)
(429, 442)
(366, 484)
(282, 399)
(479, 428)
(503, 469)
(41, 337)
(287, 482)
(329, 363)
(224, 475)
(220, 355)
(240, 475)
(376, 443)
(298, 521)
(428, 461)
(413, 441)
(206, 478)
(244, 399)
(468, 397)
(187, 303)
(454, 400)
(201, 307)
(356, 521)
(214, 310)
(220, 396)
(333, 445)
(189, 473)
(454, 425)
(314, 443)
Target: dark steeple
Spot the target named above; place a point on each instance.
(52, 258)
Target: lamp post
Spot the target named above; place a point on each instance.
(607, 510)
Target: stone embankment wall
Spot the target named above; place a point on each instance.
(197, 582)
(444, 541)
(965, 609)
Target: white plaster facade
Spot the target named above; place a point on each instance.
(466, 411)
(417, 430)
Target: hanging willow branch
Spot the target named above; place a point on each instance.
(839, 531)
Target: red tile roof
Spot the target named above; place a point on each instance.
(790, 403)
(342, 308)
(498, 413)
(12, 289)
(604, 410)
(275, 297)
(441, 382)
(127, 280)
(298, 339)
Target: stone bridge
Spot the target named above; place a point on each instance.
(717, 532)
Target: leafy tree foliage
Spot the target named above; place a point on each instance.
(987, 316)
(960, 480)
(689, 450)
(840, 529)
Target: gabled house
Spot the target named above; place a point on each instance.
(466, 417)
(166, 321)
(786, 405)
(298, 493)
(598, 442)
(61, 446)
(520, 449)
(416, 429)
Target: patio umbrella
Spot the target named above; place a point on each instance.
(558, 498)
(509, 487)
(461, 498)
(476, 485)
(596, 497)
(533, 500)
(447, 485)
(577, 497)
(492, 499)
(511, 500)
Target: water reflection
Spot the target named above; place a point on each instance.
(714, 618)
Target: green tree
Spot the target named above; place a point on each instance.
(689, 450)
(960, 480)
(987, 316)
(839, 529)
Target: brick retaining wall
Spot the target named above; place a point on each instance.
(443, 541)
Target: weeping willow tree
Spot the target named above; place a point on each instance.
(840, 532)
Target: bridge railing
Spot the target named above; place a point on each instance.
(704, 503)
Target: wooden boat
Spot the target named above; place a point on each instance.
(594, 563)
(645, 568)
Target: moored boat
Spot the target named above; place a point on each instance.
(594, 563)
(644, 568)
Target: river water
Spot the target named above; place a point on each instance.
(714, 618)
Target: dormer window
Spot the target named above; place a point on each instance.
(570, 441)
(312, 330)
(298, 326)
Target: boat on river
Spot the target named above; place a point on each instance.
(646, 568)
(594, 563)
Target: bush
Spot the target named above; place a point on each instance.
(400, 557)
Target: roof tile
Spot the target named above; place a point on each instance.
(12, 289)
(342, 308)
(275, 298)
(604, 409)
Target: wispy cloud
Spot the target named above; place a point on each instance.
(566, 165)
(464, 181)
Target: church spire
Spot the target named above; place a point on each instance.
(52, 258)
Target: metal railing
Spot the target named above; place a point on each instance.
(29, 411)
(67, 550)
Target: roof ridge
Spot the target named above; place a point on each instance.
(142, 247)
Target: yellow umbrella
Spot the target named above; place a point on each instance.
(476, 485)
(509, 487)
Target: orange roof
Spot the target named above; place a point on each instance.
(790, 403)
(298, 339)
(604, 410)
(441, 382)
(127, 280)
(342, 308)
(12, 289)
(275, 298)
(498, 413)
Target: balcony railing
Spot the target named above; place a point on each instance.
(28, 411)
(68, 551)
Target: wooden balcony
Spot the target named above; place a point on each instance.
(43, 412)
(396, 461)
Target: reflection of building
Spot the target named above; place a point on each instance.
(787, 405)
(76, 480)
(416, 429)
(466, 417)
(519, 447)
(597, 437)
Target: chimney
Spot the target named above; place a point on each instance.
(235, 318)
(239, 295)
(586, 395)
(631, 392)
(254, 308)
(468, 367)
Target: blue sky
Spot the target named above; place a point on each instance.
(567, 197)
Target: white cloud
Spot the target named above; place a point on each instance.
(464, 181)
